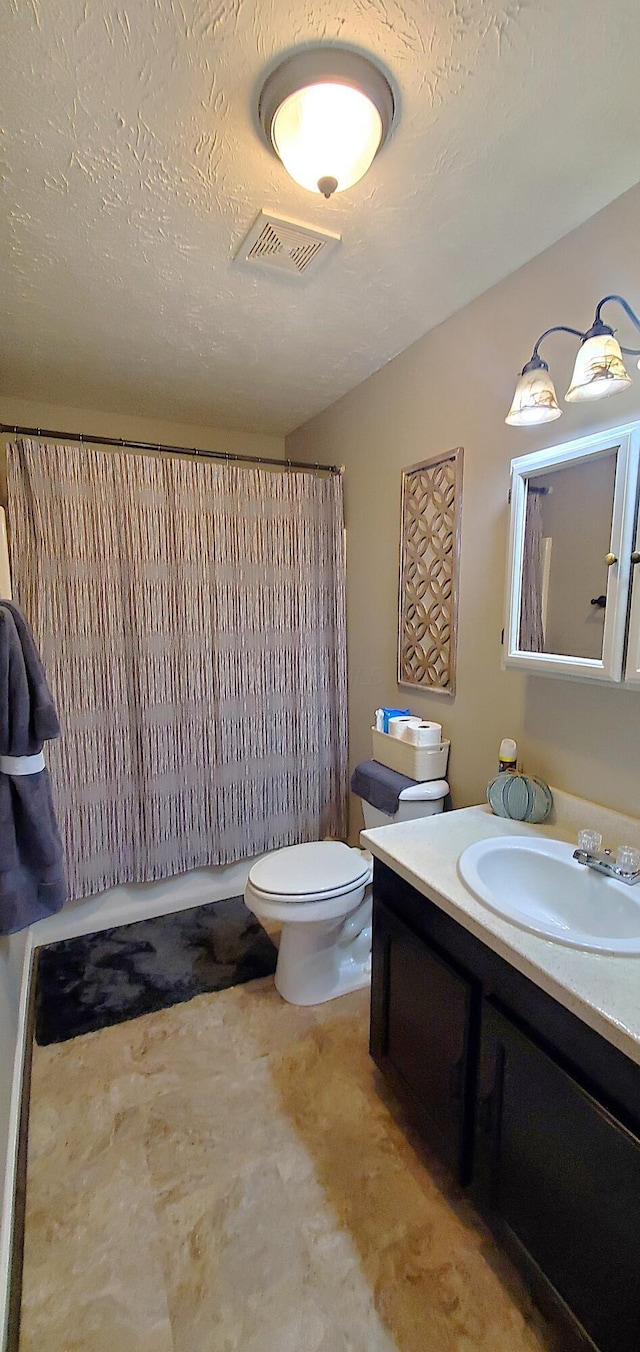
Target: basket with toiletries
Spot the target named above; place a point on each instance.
(412, 746)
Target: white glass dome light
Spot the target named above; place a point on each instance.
(324, 132)
(326, 113)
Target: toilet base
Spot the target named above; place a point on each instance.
(322, 960)
(348, 980)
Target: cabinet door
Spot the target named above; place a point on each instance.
(559, 1178)
(421, 1035)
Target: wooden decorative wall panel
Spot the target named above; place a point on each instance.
(429, 552)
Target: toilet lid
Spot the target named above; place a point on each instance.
(322, 866)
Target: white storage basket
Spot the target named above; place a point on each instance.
(418, 762)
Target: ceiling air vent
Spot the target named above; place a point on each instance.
(285, 245)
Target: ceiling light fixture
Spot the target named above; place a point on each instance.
(598, 372)
(326, 113)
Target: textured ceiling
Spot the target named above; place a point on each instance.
(132, 169)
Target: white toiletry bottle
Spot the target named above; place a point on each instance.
(508, 753)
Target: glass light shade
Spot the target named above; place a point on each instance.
(534, 400)
(327, 131)
(599, 369)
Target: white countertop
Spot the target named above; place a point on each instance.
(602, 990)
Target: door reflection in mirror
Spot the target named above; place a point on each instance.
(566, 538)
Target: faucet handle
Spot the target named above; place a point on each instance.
(589, 841)
(628, 859)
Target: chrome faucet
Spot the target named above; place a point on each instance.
(625, 867)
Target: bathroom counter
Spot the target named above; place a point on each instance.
(602, 990)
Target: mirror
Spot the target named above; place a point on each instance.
(567, 536)
(572, 520)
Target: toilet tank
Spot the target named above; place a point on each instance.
(421, 800)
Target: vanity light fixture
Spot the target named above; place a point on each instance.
(326, 112)
(598, 372)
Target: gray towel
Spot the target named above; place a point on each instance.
(32, 877)
(379, 785)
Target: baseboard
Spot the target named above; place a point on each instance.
(13, 1197)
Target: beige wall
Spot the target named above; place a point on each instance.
(451, 389)
(30, 413)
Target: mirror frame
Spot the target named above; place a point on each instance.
(626, 440)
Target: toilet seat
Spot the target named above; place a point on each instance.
(292, 875)
(332, 902)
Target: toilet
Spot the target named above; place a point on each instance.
(321, 895)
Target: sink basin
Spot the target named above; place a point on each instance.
(536, 883)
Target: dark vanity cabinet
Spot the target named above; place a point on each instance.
(560, 1177)
(424, 1037)
(534, 1111)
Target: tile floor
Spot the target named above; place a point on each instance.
(231, 1175)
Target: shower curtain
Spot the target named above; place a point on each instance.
(531, 619)
(191, 619)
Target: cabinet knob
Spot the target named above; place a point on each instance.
(635, 557)
(610, 559)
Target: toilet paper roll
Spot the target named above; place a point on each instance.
(398, 723)
(423, 734)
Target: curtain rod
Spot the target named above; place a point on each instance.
(83, 437)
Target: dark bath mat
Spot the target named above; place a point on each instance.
(95, 980)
